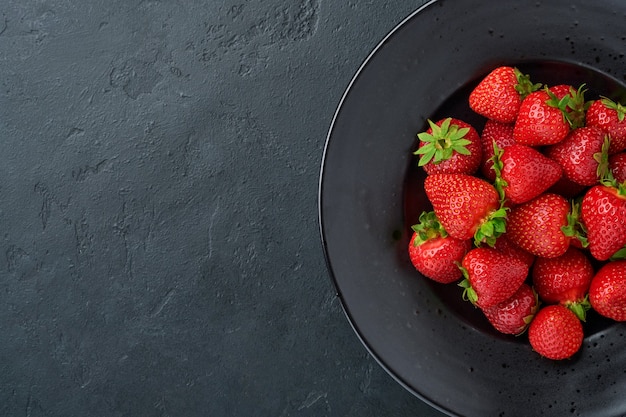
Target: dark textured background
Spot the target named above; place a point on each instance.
(160, 253)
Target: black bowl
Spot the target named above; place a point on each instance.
(436, 345)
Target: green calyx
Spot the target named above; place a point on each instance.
(498, 166)
(428, 228)
(469, 294)
(580, 308)
(573, 105)
(610, 104)
(524, 86)
(443, 142)
(604, 173)
(575, 229)
(619, 255)
(492, 228)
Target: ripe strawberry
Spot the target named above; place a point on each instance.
(499, 95)
(607, 292)
(524, 172)
(609, 116)
(434, 253)
(513, 315)
(603, 212)
(617, 165)
(564, 280)
(491, 277)
(466, 206)
(576, 154)
(449, 146)
(541, 119)
(502, 135)
(555, 332)
(506, 246)
(537, 226)
(567, 188)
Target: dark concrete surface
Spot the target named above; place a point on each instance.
(159, 250)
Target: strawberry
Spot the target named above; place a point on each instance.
(502, 135)
(555, 332)
(567, 188)
(576, 154)
(513, 315)
(466, 206)
(603, 213)
(564, 280)
(449, 146)
(506, 246)
(434, 253)
(617, 164)
(537, 226)
(607, 292)
(524, 173)
(499, 95)
(542, 119)
(609, 116)
(491, 277)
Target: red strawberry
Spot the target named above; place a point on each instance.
(502, 135)
(540, 120)
(536, 226)
(607, 292)
(513, 315)
(577, 154)
(435, 254)
(449, 146)
(499, 95)
(491, 277)
(466, 206)
(504, 245)
(609, 116)
(603, 212)
(526, 172)
(617, 164)
(567, 188)
(555, 332)
(564, 280)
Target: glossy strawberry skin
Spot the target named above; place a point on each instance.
(535, 226)
(493, 276)
(513, 315)
(603, 212)
(502, 135)
(495, 97)
(506, 246)
(607, 293)
(538, 123)
(575, 154)
(461, 202)
(599, 115)
(437, 258)
(617, 165)
(564, 279)
(458, 163)
(555, 332)
(527, 172)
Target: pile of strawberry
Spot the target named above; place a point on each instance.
(529, 216)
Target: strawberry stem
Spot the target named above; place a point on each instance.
(428, 228)
(610, 104)
(469, 294)
(443, 142)
(498, 166)
(575, 229)
(580, 308)
(524, 86)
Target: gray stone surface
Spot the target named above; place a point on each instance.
(158, 209)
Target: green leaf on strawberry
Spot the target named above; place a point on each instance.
(524, 85)
(428, 228)
(610, 104)
(442, 142)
